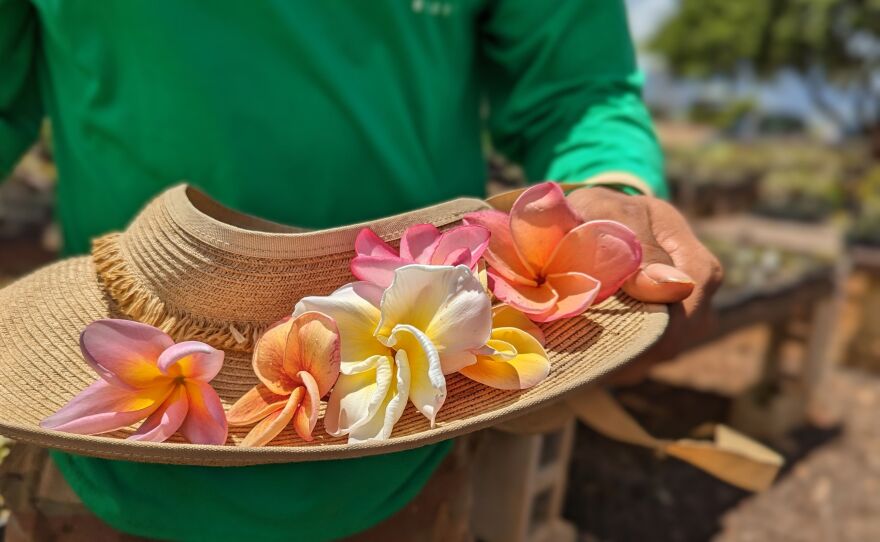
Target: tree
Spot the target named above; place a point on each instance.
(825, 41)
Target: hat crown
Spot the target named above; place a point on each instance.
(196, 269)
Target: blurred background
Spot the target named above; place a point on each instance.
(769, 114)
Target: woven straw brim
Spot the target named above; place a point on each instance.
(41, 369)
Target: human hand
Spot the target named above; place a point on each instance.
(676, 269)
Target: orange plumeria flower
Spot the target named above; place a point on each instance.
(547, 262)
(297, 362)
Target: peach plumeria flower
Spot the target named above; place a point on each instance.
(145, 376)
(398, 343)
(297, 362)
(547, 262)
(376, 260)
(514, 357)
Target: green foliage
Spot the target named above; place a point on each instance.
(716, 37)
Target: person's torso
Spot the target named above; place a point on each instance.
(310, 113)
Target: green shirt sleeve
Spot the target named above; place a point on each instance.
(20, 107)
(564, 90)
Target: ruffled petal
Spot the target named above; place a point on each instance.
(389, 412)
(603, 249)
(255, 405)
(427, 389)
(205, 422)
(124, 352)
(501, 253)
(539, 219)
(576, 293)
(471, 238)
(191, 359)
(356, 398)
(165, 420)
(367, 243)
(418, 243)
(378, 270)
(313, 348)
(447, 303)
(103, 407)
(507, 316)
(269, 355)
(306, 416)
(528, 299)
(355, 308)
(272, 425)
(526, 368)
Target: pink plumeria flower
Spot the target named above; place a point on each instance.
(547, 262)
(145, 376)
(376, 260)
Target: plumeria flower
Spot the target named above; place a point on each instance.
(376, 260)
(547, 262)
(514, 358)
(145, 376)
(397, 345)
(297, 362)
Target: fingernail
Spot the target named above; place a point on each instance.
(665, 274)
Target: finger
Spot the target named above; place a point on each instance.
(658, 280)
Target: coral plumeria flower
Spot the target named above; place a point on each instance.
(297, 362)
(376, 260)
(145, 375)
(517, 360)
(397, 345)
(547, 262)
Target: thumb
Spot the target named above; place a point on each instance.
(658, 281)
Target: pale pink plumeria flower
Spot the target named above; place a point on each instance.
(547, 262)
(376, 260)
(145, 376)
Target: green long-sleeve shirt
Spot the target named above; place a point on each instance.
(272, 107)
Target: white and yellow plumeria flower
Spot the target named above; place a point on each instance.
(397, 344)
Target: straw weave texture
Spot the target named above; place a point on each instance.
(199, 277)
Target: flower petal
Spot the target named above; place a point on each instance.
(459, 256)
(576, 293)
(103, 407)
(191, 359)
(447, 303)
(124, 352)
(472, 238)
(306, 416)
(501, 253)
(270, 426)
(367, 243)
(356, 398)
(165, 420)
(603, 249)
(389, 412)
(452, 362)
(418, 243)
(528, 299)
(427, 385)
(354, 307)
(313, 347)
(255, 405)
(527, 368)
(268, 359)
(205, 422)
(378, 270)
(507, 316)
(539, 219)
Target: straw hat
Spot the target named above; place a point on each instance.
(201, 272)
